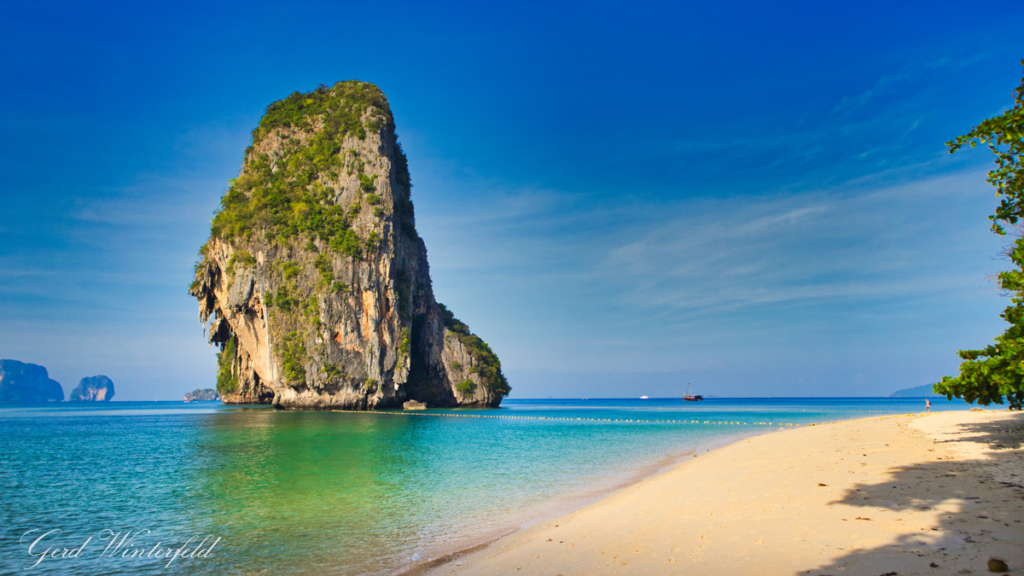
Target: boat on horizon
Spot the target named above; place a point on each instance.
(691, 397)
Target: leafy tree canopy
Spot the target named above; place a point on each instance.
(997, 371)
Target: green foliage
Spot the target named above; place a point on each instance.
(466, 387)
(347, 243)
(372, 241)
(366, 185)
(281, 202)
(355, 165)
(283, 299)
(378, 211)
(290, 269)
(372, 199)
(227, 381)
(288, 197)
(311, 310)
(403, 346)
(341, 108)
(371, 385)
(456, 365)
(339, 287)
(293, 355)
(487, 364)
(333, 372)
(240, 258)
(1004, 135)
(323, 265)
(997, 371)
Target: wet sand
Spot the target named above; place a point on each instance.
(916, 494)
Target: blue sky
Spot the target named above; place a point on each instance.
(619, 197)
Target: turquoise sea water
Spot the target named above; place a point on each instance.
(331, 492)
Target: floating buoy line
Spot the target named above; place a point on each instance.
(582, 419)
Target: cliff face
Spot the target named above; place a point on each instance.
(21, 382)
(315, 283)
(93, 389)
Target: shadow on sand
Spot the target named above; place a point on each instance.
(983, 509)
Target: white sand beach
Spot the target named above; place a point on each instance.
(930, 494)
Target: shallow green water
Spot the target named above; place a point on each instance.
(335, 493)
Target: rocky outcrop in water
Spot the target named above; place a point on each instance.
(93, 389)
(202, 395)
(314, 282)
(25, 383)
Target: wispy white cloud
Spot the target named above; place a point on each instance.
(153, 201)
(886, 83)
(116, 254)
(753, 251)
(578, 284)
(881, 86)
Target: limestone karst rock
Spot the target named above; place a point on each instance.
(21, 382)
(93, 389)
(202, 395)
(315, 283)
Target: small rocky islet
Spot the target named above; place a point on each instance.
(202, 395)
(93, 389)
(314, 282)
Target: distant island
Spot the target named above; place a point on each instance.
(93, 389)
(315, 282)
(923, 391)
(27, 383)
(202, 395)
(24, 383)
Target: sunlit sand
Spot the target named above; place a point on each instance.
(916, 494)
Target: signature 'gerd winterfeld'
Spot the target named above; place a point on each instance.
(52, 544)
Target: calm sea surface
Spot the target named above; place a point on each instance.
(336, 493)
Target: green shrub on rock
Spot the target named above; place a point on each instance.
(466, 387)
(227, 381)
(293, 357)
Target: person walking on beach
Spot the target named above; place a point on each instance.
(927, 405)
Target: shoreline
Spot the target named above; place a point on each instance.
(570, 504)
(611, 520)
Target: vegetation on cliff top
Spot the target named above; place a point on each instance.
(340, 107)
(293, 194)
(487, 364)
(997, 371)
